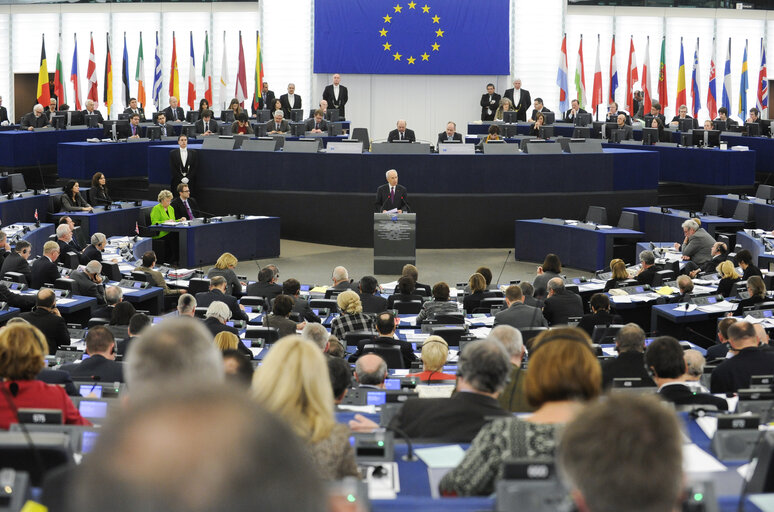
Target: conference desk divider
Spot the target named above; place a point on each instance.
(395, 241)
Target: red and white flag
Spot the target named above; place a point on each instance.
(631, 77)
(36, 215)
(241, 79)
(91, 75)
(646, 103)
(596, 92)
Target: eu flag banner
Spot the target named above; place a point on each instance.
(426, 37)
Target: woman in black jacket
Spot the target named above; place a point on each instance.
(99, 192)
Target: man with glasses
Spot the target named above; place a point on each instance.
(17, 261)
(184, 204)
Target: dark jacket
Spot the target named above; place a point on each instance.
(680, 394)
(734, 374)
(628, 365)
(561, 306)
(15, 263)
(43, 271)
(204, 299)
(603, 317)
(91, 253)
(373, 303)
(405, 349)
(53, 327)
(88, 288)
(96, 367)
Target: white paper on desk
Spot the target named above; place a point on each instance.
(435, 391)
(416, 336)
(401, 372)
(64, 302)
(753, 320)
(441, 456)
(253, 316)
(127, 290)
(706, 289)
(746, 471)
(453, 355)
(609, 351)
(696, 460)
(720, 307)
(684, 308)
(480, 332)
(251, 217)
(621, 299)
(362, 409)
(708, 425)
(389, 287)
(731, 401)
(481, 320)
(394, 210)
(126, 267)
(411, 320)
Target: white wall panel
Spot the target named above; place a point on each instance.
(287, 48)
(231, 22)
(5, 65)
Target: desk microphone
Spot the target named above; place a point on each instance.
(409, 457)
(408, 206)
(42, 181)
(503, 269)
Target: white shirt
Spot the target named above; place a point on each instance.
(516, 97)
(291, 100)
(183, 156)
(336, 91)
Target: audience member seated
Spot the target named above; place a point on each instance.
(206, 125)
(719, 254)
(317, 333)
(728, 277)
(412, 271)
(514, 397)
(267, 285)
(487, 273)
(137, 324)
(604, 451)
(292, 288)
(368, 288)
(341, 280)
(122, 313)
(441, 304)
(113, 295)
(619, 274)
(218, 293)
(749, 359)
(600, 314)
(435, 353)
(647, 273)
(370, 372)
(242, 125)
(352, 317)
(518, 314)
(98, 193)
(630, 363)
(561, 304)
(34, 119)
(401, 133)
(239, 371)
(341, 378)
(316, 124)
(335, 348)
(304, 399)
(101, 365)
(225, 266)
(186, 305)
(157, 278)
(540, 121)
(88, 282)
(529, 295)
(404, 292)
(756, 288)
(46, 317)
(5, 247)
(697, 245)
(551, 268)
(720, 350)
(64, 237)
(72, 200)
(666, 361)
(227, 340)
(22, 356)
(16, 300)
(685, 287)
(95, 250)
(279, 317)
(161, 213)
(385, 325)
(563, 375)
(745, 261)
(477, 285)
(216, 317)
(44, 269)
(16, 261)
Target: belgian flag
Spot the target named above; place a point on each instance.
(44, 92)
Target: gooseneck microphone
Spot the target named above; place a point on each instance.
(503, 269)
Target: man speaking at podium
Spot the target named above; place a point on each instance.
(391, 196)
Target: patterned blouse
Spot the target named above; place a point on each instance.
(502, 439)
(334, 456)
(349, 322)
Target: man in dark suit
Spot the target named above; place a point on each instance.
(600, 314)
(113, 295)
(489, 103)
(278, 124)
(44, 270)
(450, 134)
(3, 112)
(101, 365)
(537, 109)
(413, 272)
(35, 119)
(290, 101)
(518, 314)
(336, 95)
(316, 124)
(483, 372)
(561, 304)
(520, 99)
(720, 350)
(174, 112)
(88, 282)
(183, 163)
(391, 195)
(94, 250)
(164, 127)
(685, 285)
(65, 239)
(734, 374)
(16, 261)
(682, 113)
(216, 317)
(666, 360)
(371, 301)
(630, 363)
(206, 125)
(570, 115)
(385, 326)
(133, 131)
(46, 317)
(370, 372)
(133, 108)
(91, 109)
(401, 133)
(137, 323)
(266, 100)
(267, 285)
(625, 131)
(292, 288)
(647, 273)
(613, 113)
(218, 293)
(655, 111)
(16, 300)
(185, 205)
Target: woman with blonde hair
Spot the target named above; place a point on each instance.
(225, 267)
(293, 383)
(435, 353)
(352, 317)
(619, 273)
(728, 276)
(225, 340)
(505, 106)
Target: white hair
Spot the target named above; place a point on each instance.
(62, 230)
(94, 267)
(387, 174)
(340, 274)
(279, 113)
(691, 224)
(219, 310)
(98, 238)
(317, 333)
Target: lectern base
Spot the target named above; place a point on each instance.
(394, 242)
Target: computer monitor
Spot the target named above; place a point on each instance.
(753, 129)
(76, 118)
(334, 129)
(153, 132)
(123, 116)
(510, 116)
(648, 120)
(114, 129)
(616, 135)
(259, 129)
(296, 115)
(192, 116)
(227, 116)
(719, 125)
(546, 132)
(609, 129)
(508, 130)
(332, 115)
(685, 125)
(706, 138)
(548, 117)
(189, 130)
(59, 121)
(649, 136)
(298, 129)
(583, 119)
(263, 116)
(92, 120)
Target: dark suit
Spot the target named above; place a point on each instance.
(647, 276)
(204, 299)
(271, 126)
(405, 349)
(613, 118)
(16, 300)
(59, 378)
(3, 114)
(166, 130)
(332, 102)
(407, 135)
(122, 346)
(265, 101)
(312, 124)
(268, 290)
(680, 394)
(180, 171)
(95, 112)
(124, 132)
(384, 201)
(626, 132)
(29, 120)
(140, 111)
(562, 305)
(717, 351)
(734, 374)
(536, 112)
(520, 316)
(54, 327)
(287, 107)
(525, 101)
(96, 366)
(91, 253)
(15, 263)
(103, 312)
(603, 317)
(180, 210)
(569, 116)
(489, 104)
(442, 137)
(86, 287)
(677, 119)
(451, 420)
(178, 112)
(215, 327)
(373, 303)
(301, 306)
(630, 365)
(43, 271)
(212, 126)
(65, 247)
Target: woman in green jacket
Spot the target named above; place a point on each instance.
(161, 213)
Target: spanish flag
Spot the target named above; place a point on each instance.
(108, 79)
(174, 77)
(44, 93)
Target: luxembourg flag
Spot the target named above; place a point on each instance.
(613, 74)
(192, 78)
(561, 76)
(695, 98)
(712, 98)
(580, 76)
(763, 83)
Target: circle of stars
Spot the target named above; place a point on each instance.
(397, 56)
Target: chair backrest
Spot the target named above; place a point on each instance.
(111, 270)
(712, 205)
(55, 203)
(352, 338)
(252, 300)
(267, 334)
(198, 285)
(596, 214)
(662, 276)
(65, 283)
(450, 318)
(139, 275)
(629, 220)
(51, 450)
(324, 303)
(744, 211)
(528, 334)
(605, 333)
(451, 335)
(390, 353)
(332, 293)
(200, 312)
(93, 322)
(408, 307)
(489, 302)
(16, 277)
(361, 134)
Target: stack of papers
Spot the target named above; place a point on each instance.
(480, 320)
(696, 460)
(720, 307)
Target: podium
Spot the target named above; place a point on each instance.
(395, 241)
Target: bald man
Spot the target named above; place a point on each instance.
(391, 196)
(401, 133)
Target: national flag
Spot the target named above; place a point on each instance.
(613, 75)
(743, 85)
(108, 79)
(646, 101)
(92, 92)
(207, 70)
(224, 74)
(681, 99)
(192, 78)
(258, 70)
(157, 79)
(174, 76)
(580, 76)
(241, 79)
(43, 92)
(59, 85)
(712, 98)
(596, 91)
(561, 76)
(727, 79)
(139, 75)
(662, 78)
(125, 75)
(631, 77)
(695, 93)
(75, 76)
(763, 83)
(136, 228)
(36, 215)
